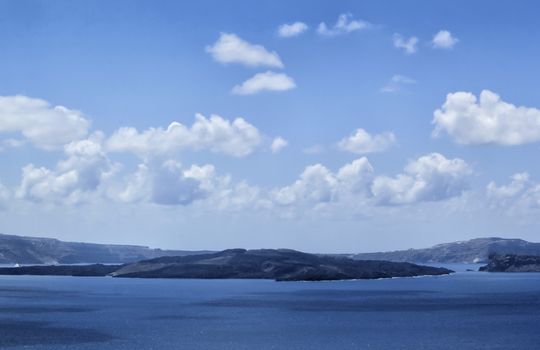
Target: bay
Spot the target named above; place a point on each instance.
(466, 310)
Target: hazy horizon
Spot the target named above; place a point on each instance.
(318, 126)
(253, 247)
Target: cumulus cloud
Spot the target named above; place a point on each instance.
(396, 83)
(291, 30)
(278, 144)
(268, 81)
(317, 184)
(45, 126)
(216, 134)
(517, 185)
(75, 178)
(230, 48)
(166, 183)
(520, 196)
(408, 45)
(444, 40)
(134, 188)
(170, 184)
(361, 142)
(345, 24)
(429, 178)
(487, 120)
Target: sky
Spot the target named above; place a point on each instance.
(323, 126)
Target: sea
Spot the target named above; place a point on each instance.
(465, 310)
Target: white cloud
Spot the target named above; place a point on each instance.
(355, 177)
(278, 144)
(293, 29)
(74, 180)
(521, 197)
(519, 182)
(170, 184)
(408, 45)
(229, 48)
(429, 178)
(239, 197)
(133, 188)
(268, 81)
(361, 142)
(45, 126)
(223, 194)
(487, 120)
(237, 138)
(444, 40)
(396, 82)
(345, 24)
(166, 184)
(317, 184)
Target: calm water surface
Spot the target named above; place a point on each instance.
(467, 310)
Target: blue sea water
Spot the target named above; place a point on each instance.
(466, 310)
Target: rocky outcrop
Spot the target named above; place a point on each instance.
(281, 264)
(512, 263)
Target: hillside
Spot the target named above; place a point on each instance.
(512, 263)
(33, 250)
(473, 251)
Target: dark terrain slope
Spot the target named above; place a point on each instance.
(280, 264)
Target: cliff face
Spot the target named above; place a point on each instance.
(512, 263)
(32, 250)
(284, 265)
(472, 251)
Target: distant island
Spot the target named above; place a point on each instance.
(512, 263)
(472, 251)
(276, 264)
(38, 250)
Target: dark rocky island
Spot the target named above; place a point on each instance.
(472, 251)
(61, 270)
(512, 263)
(280, 264)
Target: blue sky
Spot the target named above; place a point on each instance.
(355, 105)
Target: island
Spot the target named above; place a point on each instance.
(40, 250)
(472, 251)
(94, 270)
(512, 263)
(276, 264)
